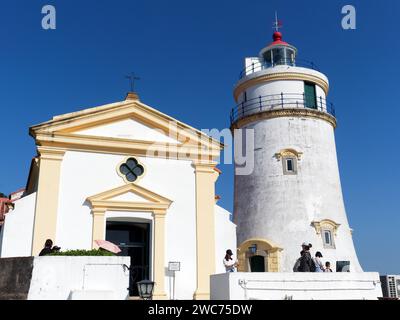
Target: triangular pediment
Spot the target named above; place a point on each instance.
(123, 121)
(129, 197)
(130, 129)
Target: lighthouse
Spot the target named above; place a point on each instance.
(293, 193)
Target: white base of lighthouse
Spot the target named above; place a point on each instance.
(296, 286)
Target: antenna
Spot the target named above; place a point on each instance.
(277, 23)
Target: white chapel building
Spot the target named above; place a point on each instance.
(126, 173)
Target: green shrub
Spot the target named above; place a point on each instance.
(93, 252)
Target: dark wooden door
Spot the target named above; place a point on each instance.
(257, 264)
(134, 241)
(310, 95)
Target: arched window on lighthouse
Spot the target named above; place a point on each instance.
(327, 238)
(290, 165)
(289, 158)
(327, 229)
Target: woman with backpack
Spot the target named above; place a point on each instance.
(306, 262)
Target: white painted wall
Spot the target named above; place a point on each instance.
(62, 278)
(225, 237)
(293, 89)
(280, 208)
(18, 228)
(282, 69)
(87, 174)
(129, 129)
(297, 286)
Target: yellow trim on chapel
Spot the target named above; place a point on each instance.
(63, 132)
(205, 226)
(45, 219)
(155, 204)
(123, 176)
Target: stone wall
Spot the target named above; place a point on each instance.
(15, 278)
(64, 278)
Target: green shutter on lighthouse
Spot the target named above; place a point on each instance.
(310, 95)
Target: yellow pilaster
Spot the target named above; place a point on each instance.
(99, 225)
(159, 255)
(205, 226)
(45, 222)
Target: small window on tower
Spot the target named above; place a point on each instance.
(327, 238)
(289, 165)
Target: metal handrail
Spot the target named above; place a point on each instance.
(280, 101)
(258, 66)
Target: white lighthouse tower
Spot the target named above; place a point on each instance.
(293, 194)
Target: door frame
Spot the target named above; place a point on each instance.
(153, 203)
(132, 221)
(310, 84)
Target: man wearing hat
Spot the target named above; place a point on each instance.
(306, 261)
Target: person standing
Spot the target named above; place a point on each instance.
(319, 267)
(48, 248)
(297, 263)
(229, 263)
(306, 261)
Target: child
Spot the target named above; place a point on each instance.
(328, 267)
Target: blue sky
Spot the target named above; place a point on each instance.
(188, 55)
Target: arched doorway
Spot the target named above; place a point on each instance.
(153, 203)
(258, 255)
(257, 263)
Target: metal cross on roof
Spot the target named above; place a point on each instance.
(132, 77)
(277, 23)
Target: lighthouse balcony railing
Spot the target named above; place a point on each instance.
(258, 66)
(281, 101)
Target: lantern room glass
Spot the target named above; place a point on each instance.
(279, 56)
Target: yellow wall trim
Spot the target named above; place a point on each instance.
(154, 201)
(124, 176)
(205, 226)
(288, 153)
(325, 223)
(156, 204)
(45, 221)
(74, 142)
(74, 122)
(270, 114)
(266, 248)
